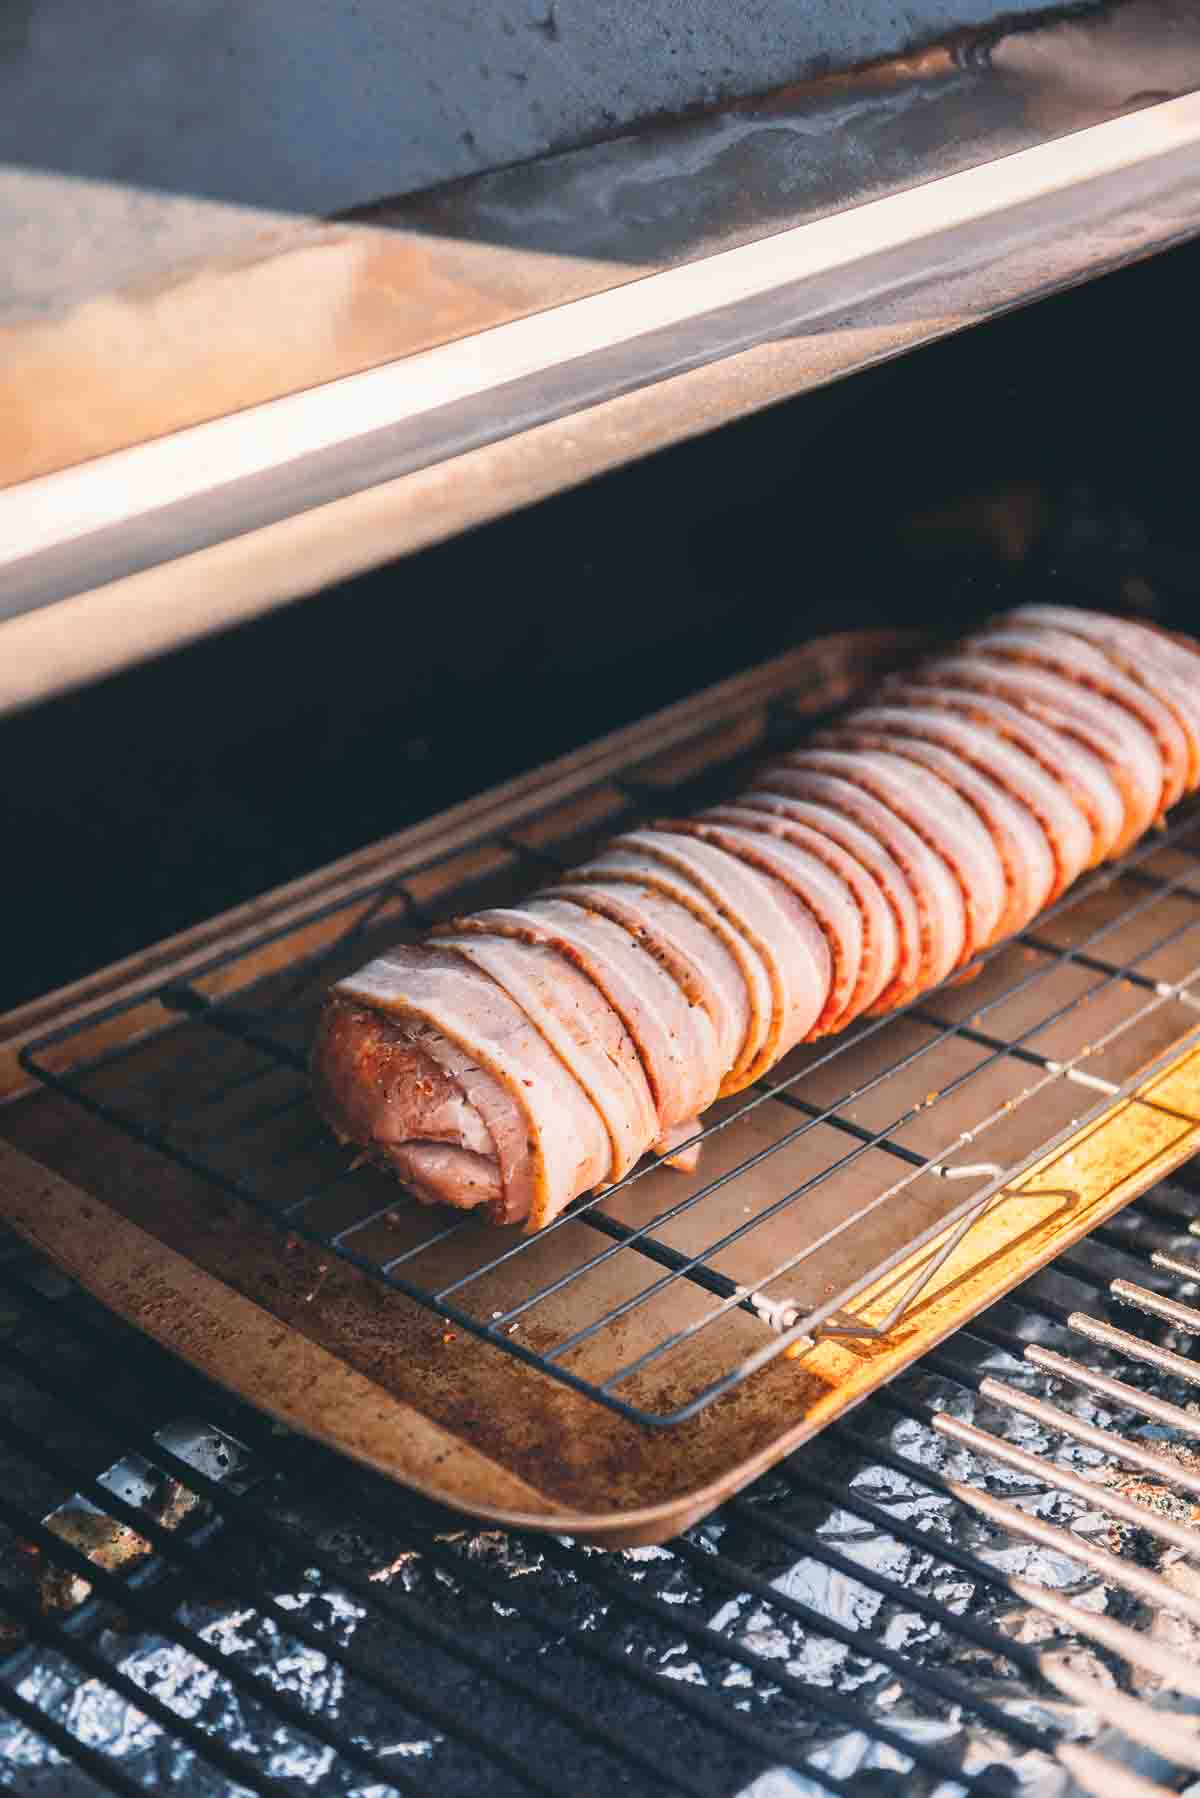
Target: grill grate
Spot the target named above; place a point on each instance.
(858, 1150)
(897, 1598)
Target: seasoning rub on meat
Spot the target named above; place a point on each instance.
(526, 1055)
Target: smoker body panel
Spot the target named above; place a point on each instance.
(185, 483)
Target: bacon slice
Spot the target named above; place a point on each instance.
(1121, 742)
(942, 821)
(1024, 853)
(579, 1024)
(936, 893)
(746, 995)
(879, 868)
(877, 931)
(825, 895)
(673, 1036)
(695, 956)
(533, 1053)
(1069, 787)
(768, 915)
(1081, 662)
(1148, 657)
(771, 936)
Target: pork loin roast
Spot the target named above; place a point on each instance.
(524, 1056)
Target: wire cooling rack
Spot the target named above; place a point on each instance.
(666, 1291)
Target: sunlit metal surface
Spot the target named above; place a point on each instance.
(466, 352)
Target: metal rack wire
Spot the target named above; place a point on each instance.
(878, 1135)
(505, 1666)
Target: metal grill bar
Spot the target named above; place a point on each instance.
(1160, 1410)
(1149, 1728)
(124, 1594)
(246, 1514)
(1183, 1317)
(107, 1773)
(205, 1743)
(1166, 1736)
(737, 1578)
(1181, 1265)
(1106, 1335)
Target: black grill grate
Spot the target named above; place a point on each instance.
(1000, 1068)
(307, 1627)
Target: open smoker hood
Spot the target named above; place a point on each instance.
(222, 434)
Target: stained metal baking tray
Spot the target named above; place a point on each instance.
(617, 1375)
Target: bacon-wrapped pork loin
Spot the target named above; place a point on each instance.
(523, 1056)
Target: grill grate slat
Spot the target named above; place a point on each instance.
(124, 1594)
(204, 1742)
(238, 1510)
(737, 1578)
(946, 1688)
(556, 1621)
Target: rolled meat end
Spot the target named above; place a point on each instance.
(385, 1086)
(825, 894)
(879, 869)
(939, 817)
(879, 944)
(1024, 852)
(579, 1024)
(548, 1141)
(1071, 788)
(673, 1035)
(1148, 657)
(936, 893)
(1089, 667)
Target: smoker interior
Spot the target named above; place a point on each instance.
(851, 1623)
(210, 776)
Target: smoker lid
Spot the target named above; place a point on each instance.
(217, 438)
